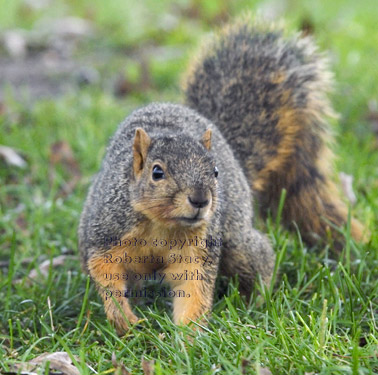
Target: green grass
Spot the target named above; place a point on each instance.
(320, 317)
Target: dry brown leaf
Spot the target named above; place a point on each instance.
(123, 86)
(148, 366)
(246, 364)
(264, 371)
(61, 153)
(59, 363)
(12, 157)
(44, 267)
(21, 222)
(120, 368)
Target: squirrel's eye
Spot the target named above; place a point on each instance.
(216, 172)
(157, 173)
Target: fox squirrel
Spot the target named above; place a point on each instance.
(258, 120)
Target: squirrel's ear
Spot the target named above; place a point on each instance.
(140, 147)
(206, 139)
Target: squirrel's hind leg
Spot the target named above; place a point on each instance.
(247, 255)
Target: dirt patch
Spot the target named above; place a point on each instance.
(36, 77)
(45, 62)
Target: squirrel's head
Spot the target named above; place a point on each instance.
(174, 179)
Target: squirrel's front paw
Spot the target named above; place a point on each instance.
(120, 324)
(117, 317)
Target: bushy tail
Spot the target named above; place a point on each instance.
(267, 93)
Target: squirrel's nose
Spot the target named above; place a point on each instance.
(198, 199)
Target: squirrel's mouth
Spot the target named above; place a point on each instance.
(189, 220)
(197, 218)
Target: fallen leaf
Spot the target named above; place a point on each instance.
(123, 86)
(12, 157)
(61, 153)
(120, 368)
(44, 267)
(190, 11)
(246, 365)
(59, 364)
(148, 366)
(21, 222)
(264, 371)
